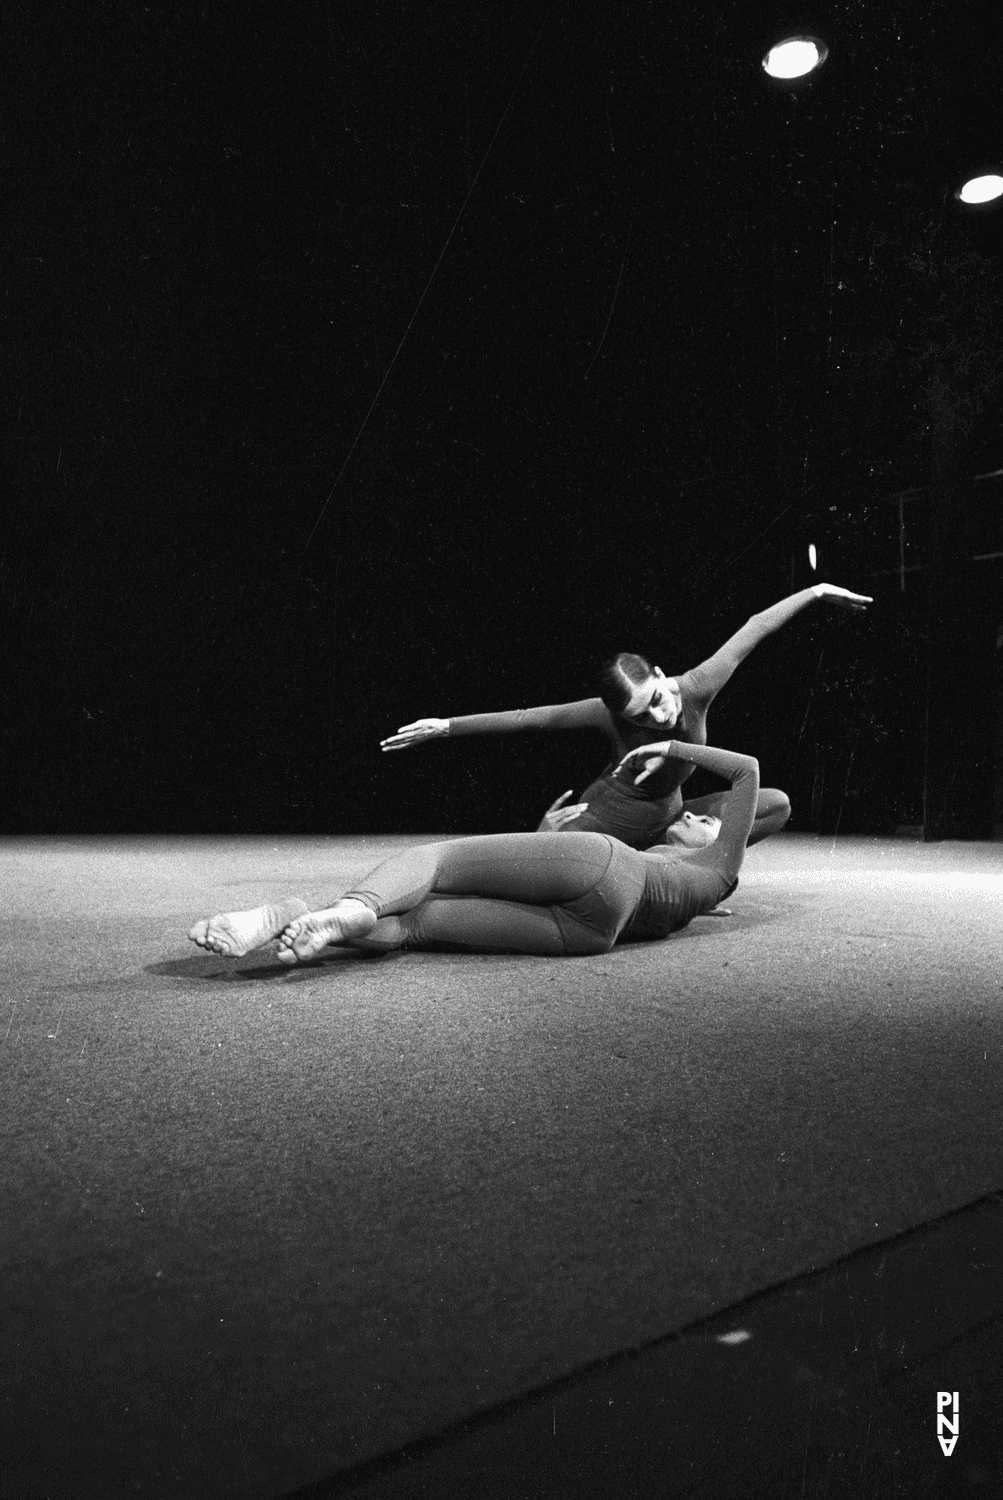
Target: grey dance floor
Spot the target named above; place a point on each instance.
(262, 1226)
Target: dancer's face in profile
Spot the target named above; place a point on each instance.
(655, 703)
(694, 830)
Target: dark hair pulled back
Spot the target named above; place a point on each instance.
(619, 677)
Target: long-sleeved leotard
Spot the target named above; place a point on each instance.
(640, 815)
(557, 894)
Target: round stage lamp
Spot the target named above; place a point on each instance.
(795, 57)
(981, 189)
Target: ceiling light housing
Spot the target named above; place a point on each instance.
(795, 58)
(985, 189)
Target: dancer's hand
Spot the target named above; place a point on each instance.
(417, 733)
(835, 595)
(557, 815)
(654, 757)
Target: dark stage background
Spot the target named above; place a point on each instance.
(369, 362)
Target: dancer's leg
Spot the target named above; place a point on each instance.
(513, 872)
(772, 811)
(473, 924)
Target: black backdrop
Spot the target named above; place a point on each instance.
(369, 362)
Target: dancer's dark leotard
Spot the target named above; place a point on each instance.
(557, 893)
(640, 815)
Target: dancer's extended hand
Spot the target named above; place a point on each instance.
(835, 595)
(557, 815)
(654, 757)
(417, 733)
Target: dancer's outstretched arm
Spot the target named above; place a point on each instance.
(706, 681)
(585, 713)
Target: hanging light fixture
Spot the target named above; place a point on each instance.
(795, 57)
(984, 189)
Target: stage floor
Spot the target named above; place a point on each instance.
(262, 1225)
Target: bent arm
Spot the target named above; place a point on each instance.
(725, 855)
(743, 773)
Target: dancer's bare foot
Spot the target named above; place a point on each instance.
(231, 934)
(307, 936)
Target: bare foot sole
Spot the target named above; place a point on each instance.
(311, 934)
(231, 934)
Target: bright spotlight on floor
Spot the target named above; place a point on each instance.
(981, 189)
(795, 57)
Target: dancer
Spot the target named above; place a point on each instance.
(636, 703)
(551, 894)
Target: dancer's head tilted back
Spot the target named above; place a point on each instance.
(633, 689)
(693, 830)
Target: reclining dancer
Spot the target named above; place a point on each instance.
(550, 894)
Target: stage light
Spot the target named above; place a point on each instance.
(813, 557)
(795, 57)
(981, 189)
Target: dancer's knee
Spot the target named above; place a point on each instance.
(778, 806)
(772, 812)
